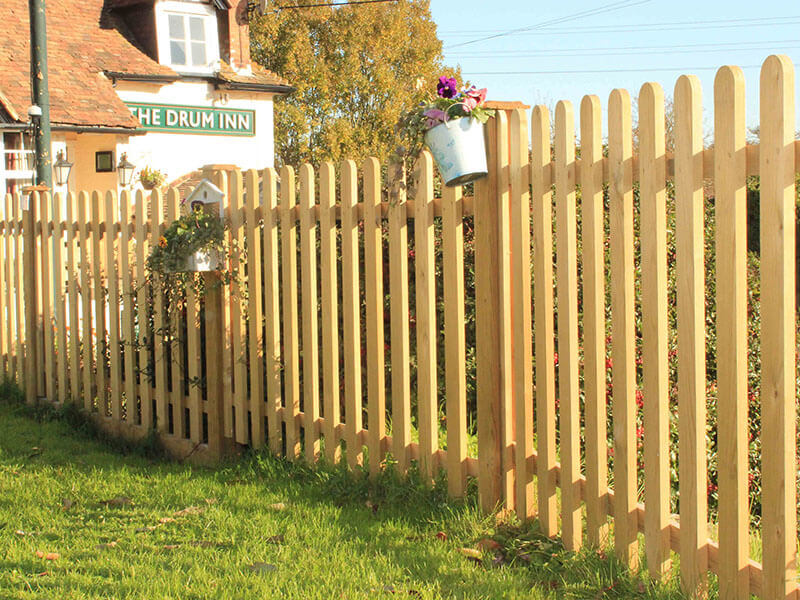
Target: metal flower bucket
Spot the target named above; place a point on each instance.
(459, 150)
(203, 260)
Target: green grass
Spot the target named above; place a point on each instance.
(331, 535)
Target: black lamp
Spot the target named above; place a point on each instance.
(125, 169)
(62, 168)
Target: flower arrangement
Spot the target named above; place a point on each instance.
(151, 178)
(448, 104)
(195, 232)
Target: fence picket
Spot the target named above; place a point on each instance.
(424, 273)
(544, 382)
(5, 303)
(691, 333)
(730, 192)
(778, 429)
(255, 335)
(373, 295)
(272, 315)
(655, 368)
(46, 256)
(15, 285)
(308, 266)
(112, 283)
(86, 269)
(128, 332)
(567, 282)
(351, 314)
(72, 291)
(10, 334)
(620, 191)
(59, 304)
(238, 322)
(522, 349)
(160, 334)
(330, 309)
(143, 305)
(594, 320)
(21, 281)
(175, 341)
(454, 338)
(291, 364)
(98, 295)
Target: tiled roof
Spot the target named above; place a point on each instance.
(83, 40)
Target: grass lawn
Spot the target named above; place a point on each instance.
(81, 520)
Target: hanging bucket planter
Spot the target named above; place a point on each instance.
(459, 150)
(202, 260)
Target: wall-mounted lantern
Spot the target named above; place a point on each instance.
(62, 168)
(125, 169)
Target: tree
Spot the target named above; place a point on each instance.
(355, 68)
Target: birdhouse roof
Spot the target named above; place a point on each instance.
(209, 189)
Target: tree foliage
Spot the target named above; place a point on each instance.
(355, 68)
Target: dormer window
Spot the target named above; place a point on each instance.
(187, 36)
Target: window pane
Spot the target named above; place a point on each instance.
(196, 29)
(177, 53)
(176, 30)
(198, 53)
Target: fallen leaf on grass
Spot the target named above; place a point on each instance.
(105, 546)
(275, 539)
(442, 536)
(67, 503)
(262, 567)
(171, 546)
(487, 544)
(165, 520)
(372, 506)
(471, 554)
(277, 506)
(211, 500)
(118, 501)
(22, 533)
(43, 574)
(189, 510)
(48, 555)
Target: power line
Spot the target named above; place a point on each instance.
(586, 13)
(624, 52)
(352, 2)
(587, 71)
(645, 27)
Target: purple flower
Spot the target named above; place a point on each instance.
(447, 87)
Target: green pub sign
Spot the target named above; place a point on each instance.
(194, 119)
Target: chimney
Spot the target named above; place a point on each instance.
(235, 35)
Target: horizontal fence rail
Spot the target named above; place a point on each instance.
(545, 330)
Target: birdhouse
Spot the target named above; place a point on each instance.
(207, 196)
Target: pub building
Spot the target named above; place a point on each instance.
(168, 83)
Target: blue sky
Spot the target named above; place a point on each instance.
(624, 44)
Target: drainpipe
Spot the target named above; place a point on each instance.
(40, 92)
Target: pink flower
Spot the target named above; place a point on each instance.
(473, 98)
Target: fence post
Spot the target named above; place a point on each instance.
(29, 285)
(488, 323)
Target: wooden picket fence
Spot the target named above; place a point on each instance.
(304, 328)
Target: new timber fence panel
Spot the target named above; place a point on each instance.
(79, 319)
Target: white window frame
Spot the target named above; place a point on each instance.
(188, 9)
(25, 154)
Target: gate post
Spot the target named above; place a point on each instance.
(491, 309)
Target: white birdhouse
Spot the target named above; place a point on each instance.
(207, 195)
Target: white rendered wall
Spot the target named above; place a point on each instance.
(179, 153)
